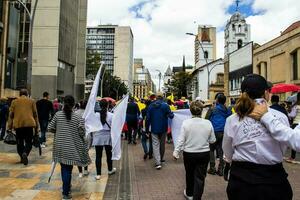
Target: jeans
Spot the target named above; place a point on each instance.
(98, 162)
(158, 143)
(24, 136)
(218, 147)
(43, 125)
(195, 172)
(144, 144)
(66, 176)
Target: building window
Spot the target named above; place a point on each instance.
(233, 27)
(240, 43)
(239, 28)
(295, 65)
(205, 54)
(258, 69)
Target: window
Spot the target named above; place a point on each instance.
(240, 43)
(233, 27)
(205, 54)
(295, 65)
(239, 28)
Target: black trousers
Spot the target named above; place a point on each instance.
(24, 140)
(195, 172)
(217, 146)
(250, 181)
(132, 130)
(99, 150)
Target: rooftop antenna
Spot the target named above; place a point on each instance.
(237, 5)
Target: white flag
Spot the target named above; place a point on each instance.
(118, 121)
(179, 117)
(91, 118)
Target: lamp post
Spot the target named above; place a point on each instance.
(159, 78)
(207, 66)
(31, 16)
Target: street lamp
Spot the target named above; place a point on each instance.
(31, 20)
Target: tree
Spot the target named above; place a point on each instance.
(93, 60)
(178, 84)
(113, 86)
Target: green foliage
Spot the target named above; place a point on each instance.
(113, 86)
(179, 83)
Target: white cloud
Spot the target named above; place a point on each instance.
(162, 40)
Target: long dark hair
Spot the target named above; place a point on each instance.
(103, 110)
(69, 103)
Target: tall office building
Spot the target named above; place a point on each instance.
(142, 83)
(58, 63)
(114, 44)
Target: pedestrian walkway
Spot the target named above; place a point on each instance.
(144, 182)
(31, 182)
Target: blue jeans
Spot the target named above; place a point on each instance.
(43, 125)
(66, 176)
(144, 143)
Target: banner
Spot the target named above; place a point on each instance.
(176, 123)
(92, 118)
(118, 121)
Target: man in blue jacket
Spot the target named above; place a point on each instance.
(218, 118)
(157, 117)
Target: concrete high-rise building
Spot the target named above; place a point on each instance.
(115, 46)
(58, 64)
(207, 38)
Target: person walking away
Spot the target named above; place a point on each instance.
(218, 118)
(169, 133)
(275, 105)
(255, 155)
(195, 136)
(148, 151)
(295, 116)
(44, 109)
(56, 105)
(23, 117)
(157, 117)
(102, 139)
(69, 147)
(80, 111)
(132, 115)
(4, 110)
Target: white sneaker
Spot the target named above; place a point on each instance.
(97, 177)
(186, 196)
(80, 175)
(85, 172)
(43, 145)
(158, 167)
(112, 171)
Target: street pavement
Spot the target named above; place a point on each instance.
(135, 179)
(31, 182)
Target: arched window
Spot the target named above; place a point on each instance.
(239, 28)
(205, 54)
(233, 27)
(240, 43)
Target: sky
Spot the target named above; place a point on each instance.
(159, 26)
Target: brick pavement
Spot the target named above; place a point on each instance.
(30, 182)
(147, 183)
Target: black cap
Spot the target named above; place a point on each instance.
(255, 85)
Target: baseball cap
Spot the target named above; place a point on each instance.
(254, 85)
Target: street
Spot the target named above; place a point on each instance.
(135, 178)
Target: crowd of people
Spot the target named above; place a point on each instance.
(247, 139)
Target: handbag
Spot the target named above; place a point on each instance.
(36, 143)
(10, 138)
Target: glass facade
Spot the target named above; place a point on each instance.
(101, 41)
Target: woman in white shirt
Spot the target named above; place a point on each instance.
(195, 136)
(255, 156)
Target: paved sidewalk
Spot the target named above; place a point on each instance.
(31, 182)
(147, 183)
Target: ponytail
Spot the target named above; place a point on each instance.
(103, 111)
(244, 105)
(69, 103)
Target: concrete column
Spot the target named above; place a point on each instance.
(263, 70)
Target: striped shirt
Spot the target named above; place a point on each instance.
(69, 145)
